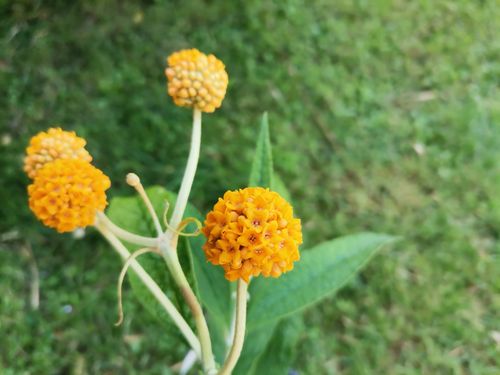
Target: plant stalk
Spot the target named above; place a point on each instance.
(168, 247)
(197, 311)
(239, 330)
(190, 171)
(153, 288)
(103, 221)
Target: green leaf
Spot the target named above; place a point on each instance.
(280, 351)
(131, 214)
(279, 187)
(262, 167)
(269, 348)
(266, 349)
(255, 343)
(262, 172)
(321, 272)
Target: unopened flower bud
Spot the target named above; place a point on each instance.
(133, 180)
(196, 80)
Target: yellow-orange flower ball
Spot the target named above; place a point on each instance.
(67, 193)
(196, 80)
(252, 232)
(53, 144)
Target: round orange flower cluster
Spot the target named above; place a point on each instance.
(196, 80)
(67, 193)
(67, 190)
(51, 145)
(252, 232)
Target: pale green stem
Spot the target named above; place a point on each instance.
(187, 180)
(168, 246)
(196, 309)
(123, 234)
(153, 288)
(239, 330)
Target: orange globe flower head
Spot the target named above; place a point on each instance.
(67, 193)
(53, 144)
(196, 80)
(252, 232)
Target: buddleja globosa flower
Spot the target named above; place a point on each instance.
(51, 145)
(252, 232)
(67, 193)
(196, 80)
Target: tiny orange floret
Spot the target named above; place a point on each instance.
(67, 193)
(51, 145)
(252, 232)
(196, 80)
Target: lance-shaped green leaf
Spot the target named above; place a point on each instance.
(321, 272)
(280, 350)
(256, 341)
(262, 172)
(262, 166)
(279, 187)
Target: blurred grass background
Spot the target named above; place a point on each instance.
(384, 116)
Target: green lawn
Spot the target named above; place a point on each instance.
(385, 116)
